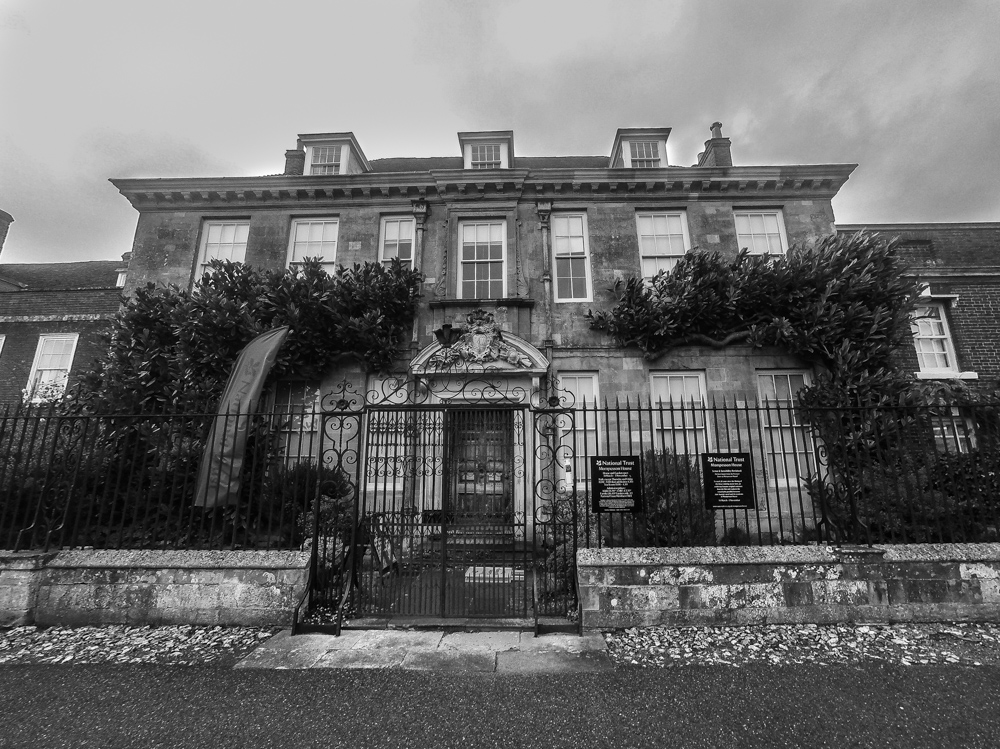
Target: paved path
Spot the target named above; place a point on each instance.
(502, 651)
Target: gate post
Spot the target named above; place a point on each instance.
(341, 415)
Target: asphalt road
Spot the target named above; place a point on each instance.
(778, 706)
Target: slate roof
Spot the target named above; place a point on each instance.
(970, 245)
(61, 303)
(95, 274)
(404, 164)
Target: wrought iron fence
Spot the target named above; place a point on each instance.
(131, 481)
(903, 474)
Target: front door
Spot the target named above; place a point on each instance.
(480, 464)
(484, 567)
(440, 519)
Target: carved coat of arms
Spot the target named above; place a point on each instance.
(481, 343)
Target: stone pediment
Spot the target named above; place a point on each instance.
(479, 345)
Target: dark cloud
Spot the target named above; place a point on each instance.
(115, 89)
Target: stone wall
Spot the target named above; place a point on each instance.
(20, 575)
(249, 588)
(167, 245)
(788, 584)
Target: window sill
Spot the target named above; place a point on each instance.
(504, 302)
(946, 375)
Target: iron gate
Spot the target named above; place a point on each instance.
(454, 512)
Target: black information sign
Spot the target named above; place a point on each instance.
(728, 481)
(616, 484)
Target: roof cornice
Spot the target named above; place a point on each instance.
(813, 180)
(954, 271)
(818, 180)
(938, 226)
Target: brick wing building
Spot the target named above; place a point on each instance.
(955, 336)
(53, 317)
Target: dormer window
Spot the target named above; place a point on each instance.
(645, 154)
(325, 160)
(332, 159)
(485, 156)
(492, 149)
(640, 148)
(329, 154)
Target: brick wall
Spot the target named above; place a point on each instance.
(931, 245)
(961, 264)
(974, 318)
(18, 351)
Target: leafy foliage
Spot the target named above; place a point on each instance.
(888, 475)
(675, 504)
(115, 463)
(842, 304)
(903, 492)
(171, 348)
(127, 482)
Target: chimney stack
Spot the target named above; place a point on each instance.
(295, 161)
(718, 150)
(5, 221)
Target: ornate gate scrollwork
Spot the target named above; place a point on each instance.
(455, 474)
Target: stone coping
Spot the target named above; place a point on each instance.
(722, 555)
(25, 560)
(179, 559)
(694, 555)
(942, 553)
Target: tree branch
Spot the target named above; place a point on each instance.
(701, 339)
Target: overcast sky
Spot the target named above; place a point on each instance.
(98, 89)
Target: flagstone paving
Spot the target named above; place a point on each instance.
(503, 651)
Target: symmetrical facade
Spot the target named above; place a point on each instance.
(514, 251)
(536, 241)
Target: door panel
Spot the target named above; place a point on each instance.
(439, 528)
(480, 466)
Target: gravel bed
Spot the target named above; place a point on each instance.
(178, 646)
(662, 647)
(903, 644)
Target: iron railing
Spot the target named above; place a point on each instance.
(130, 481)
(902, 474)
(865, 474)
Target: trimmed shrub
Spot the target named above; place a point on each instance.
(675, 502)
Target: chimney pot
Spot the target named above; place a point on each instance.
(718, 151)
